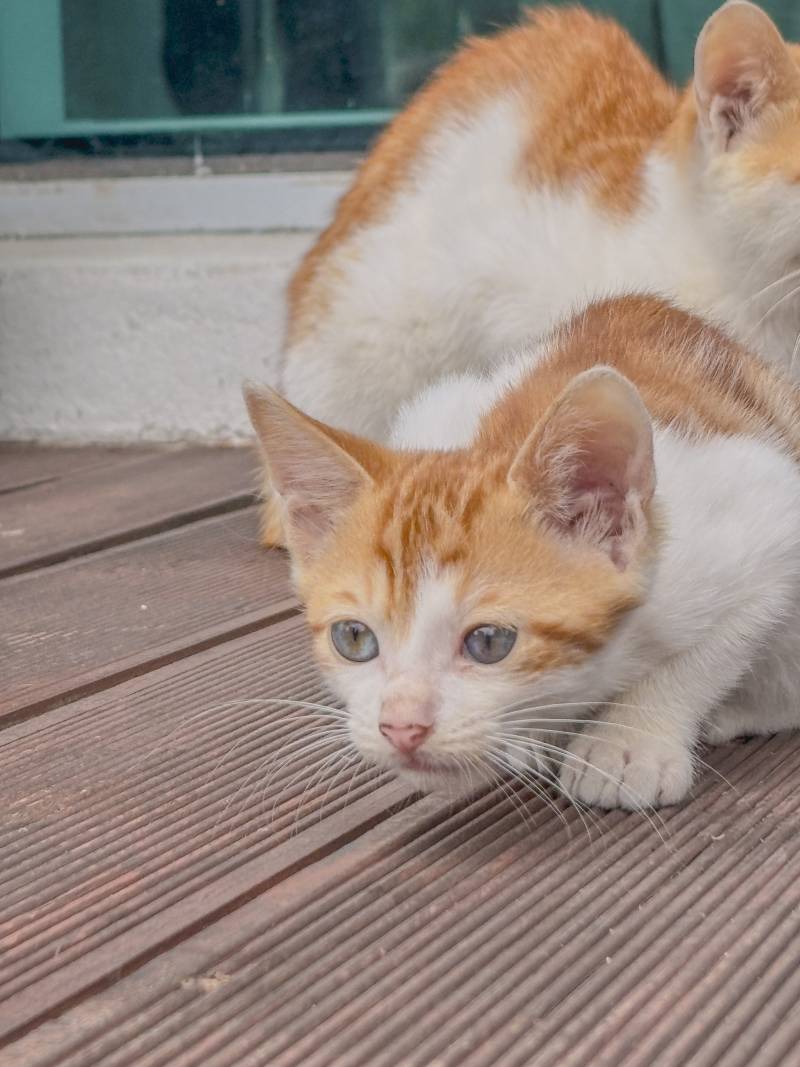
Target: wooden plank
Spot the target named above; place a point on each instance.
(109, 505)
(462, 935)
(82, 625)
(181, 973)
(128, 818)
(23, 464)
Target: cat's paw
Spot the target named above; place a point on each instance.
(610, 769)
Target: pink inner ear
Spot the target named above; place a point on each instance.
(595, 495)
(741, 64)
(589, 465)
(609, 472)
(607, 460)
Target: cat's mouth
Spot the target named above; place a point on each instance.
(436, 766)
(438, 775)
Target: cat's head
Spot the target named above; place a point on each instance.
(739, 131)
(452, 594)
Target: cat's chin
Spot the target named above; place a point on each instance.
(440, 776)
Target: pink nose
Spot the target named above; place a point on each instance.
(406, 739)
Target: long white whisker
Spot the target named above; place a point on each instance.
(357, 764)
(277, 763)
(329, 737)
(512, 710)
(554, 782)
(309, 747)
(318, 772)
(641, 807)
(521, 776)
(535, 721)
(323, 712)
(532, 784)
(516, 804)
(795, 350)
(772, 285)
(249, 735)
(323, 771)
(346, 761)
(776, 305)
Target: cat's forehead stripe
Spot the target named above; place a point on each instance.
(427, 515)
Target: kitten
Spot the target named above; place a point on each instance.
(608, 526)
(539, 169)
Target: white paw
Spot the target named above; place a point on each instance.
(611, 769)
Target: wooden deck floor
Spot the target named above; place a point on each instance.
(186, 880)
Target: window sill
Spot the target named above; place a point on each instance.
(63, 198)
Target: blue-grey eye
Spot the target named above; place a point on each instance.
(354, 640)
(489, 644)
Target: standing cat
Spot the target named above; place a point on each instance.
(610, 522)
(539, 169)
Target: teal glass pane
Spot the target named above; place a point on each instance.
(172, 58)
(88, 68)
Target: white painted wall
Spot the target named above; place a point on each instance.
(126, 338)
(134, 307)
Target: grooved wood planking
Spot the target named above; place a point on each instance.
(24, 464)
(107, 504)
(81, 624)
(128, 817)
(193, 874)
(458, 935)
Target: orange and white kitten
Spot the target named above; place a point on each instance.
(540, 169)
(607, 527)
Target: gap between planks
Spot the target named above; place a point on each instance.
(136, 533)
(109, 963)
(172, 653)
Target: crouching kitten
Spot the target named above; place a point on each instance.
(604, 534)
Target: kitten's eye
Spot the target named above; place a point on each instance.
(354, 640)
(489, 644)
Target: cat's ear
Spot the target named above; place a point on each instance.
(741, 66)
(315, 477)
(588, 467)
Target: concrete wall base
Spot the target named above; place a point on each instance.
(139, 338)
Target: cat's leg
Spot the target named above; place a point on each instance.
(767, 699)
(639, 751)
(743, 716)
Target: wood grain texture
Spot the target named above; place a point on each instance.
(23, 464)
(81, 625)
(462, 935)
(193, 873)
(131, 816)
(102, 506)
